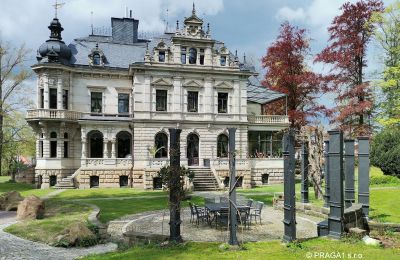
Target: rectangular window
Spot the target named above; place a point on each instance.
(41, 101)
(201, 56)
(223, 61)
(65, 99)
(161, 100)
(123, 103)
(41, 149)
(53, 149)
(161, 56)
(53, 98)
(222, 102)
(96, 102)
(192, 101)
(65, 149)
(183, 55)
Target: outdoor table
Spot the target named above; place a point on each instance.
(213, 208)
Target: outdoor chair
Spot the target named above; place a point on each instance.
(243, 217)
(201, 214)
(222, 217)
(250, 203)
(192, 212)
(256, 211)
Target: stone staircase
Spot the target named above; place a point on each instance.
(67, 182)
(204, 179)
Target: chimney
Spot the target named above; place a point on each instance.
(124, 30)
(130, 13)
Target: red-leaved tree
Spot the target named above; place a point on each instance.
(350, 33)
(287, 72)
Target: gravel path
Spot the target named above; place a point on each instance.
(13, 247)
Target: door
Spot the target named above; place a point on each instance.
(193, 149)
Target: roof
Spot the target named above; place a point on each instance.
(260, 94)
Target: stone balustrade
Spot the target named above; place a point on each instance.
(268, 119)
(53, 114)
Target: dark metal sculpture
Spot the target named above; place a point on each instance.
(326, 168)
(349, 195)
(289, 207)
(232, 189)
(335, 220)
(174, 200)
(304, 173)
(363, 174)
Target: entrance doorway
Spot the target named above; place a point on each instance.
(193, 150)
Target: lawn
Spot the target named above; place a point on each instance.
(23, 188)
(4, 179)
(107, 193)
(384, 205)
(256, 250)
(57, 217)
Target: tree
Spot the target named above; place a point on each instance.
(385, 151)
(287, 72)
(12, 76)
(350, 33)
(387, 35)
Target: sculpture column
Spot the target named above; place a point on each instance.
(84, 149)
(363, 174)
(113, 149)
(174, 192)
(105, 150)
(335, 219)
(304, 173)
(326, 167)
(289, 207)
(349, 196)
(232, 188)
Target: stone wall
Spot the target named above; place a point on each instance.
(110, 178)
(222, 174)
(26, 176)
(275, 175)
(46, 173)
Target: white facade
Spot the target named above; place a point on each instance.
(101, 120)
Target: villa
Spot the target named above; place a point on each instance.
(105, 104)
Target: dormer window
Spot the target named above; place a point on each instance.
(192, 56)
(96, 59)
(161, 56)
(223, 61)
(183, 55)
(201, 56)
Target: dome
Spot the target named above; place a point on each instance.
(54, 49)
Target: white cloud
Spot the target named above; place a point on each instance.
(287, 13)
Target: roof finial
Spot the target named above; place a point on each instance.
(244, 57)
(91, 20)
(208, 28)
(177, 25)
(194, 10)
(56, 7)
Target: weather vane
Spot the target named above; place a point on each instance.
(57, 6)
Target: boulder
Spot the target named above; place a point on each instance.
(77, 234)
(31, 207)
(10, 200)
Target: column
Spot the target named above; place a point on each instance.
(335, 219)
(113, 149)
(304, 173)
(326, 169)
(349, 194)
(174, 193)
(232, 190)
(46, 94)
(105, 150)
(59, 93)
(363, 174)
(289, 208)
(84, 149)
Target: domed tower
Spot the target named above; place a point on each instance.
(54, 49)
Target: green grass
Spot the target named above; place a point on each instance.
(384, 205)
(23, 188)
(107, 193)
(58, 216)
(254, 250)
(4, 179)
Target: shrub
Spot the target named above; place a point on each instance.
(385, 151)
(384, 180)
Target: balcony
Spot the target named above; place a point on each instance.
(55, 114)
(268, 119)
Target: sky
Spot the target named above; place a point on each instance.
(248, 26)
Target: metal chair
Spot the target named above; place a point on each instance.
(222, 217)
(250, 203)
(256, 212)
(243, 216)
(201, 214)
(192, 212)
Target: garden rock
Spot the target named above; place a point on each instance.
(9, 201)
(77, 234)
(31, 207)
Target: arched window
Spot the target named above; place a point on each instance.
(192, 56)
(96, 58)
(123, 144)
(192, 151)
(65, 145)
(222, 146)
(95, 144)
(53, 145)
(161, 145)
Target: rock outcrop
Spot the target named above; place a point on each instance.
(31, 207)
(9, 201)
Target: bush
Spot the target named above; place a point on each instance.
(385, 151)
(374, 180)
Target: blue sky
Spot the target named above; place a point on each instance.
(246, 25)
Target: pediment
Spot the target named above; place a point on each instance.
(162, 82)
(224, 84)
(192, 83)
(193, 19)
